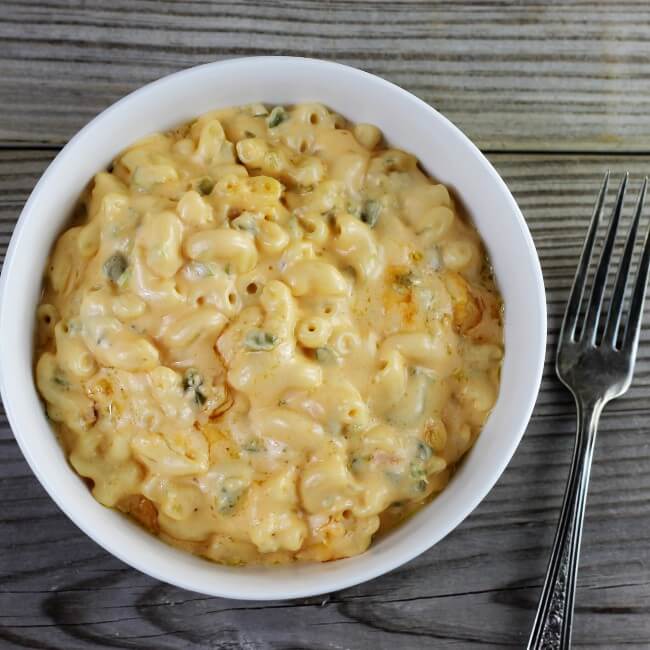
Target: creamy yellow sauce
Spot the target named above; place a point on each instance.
(268, 335)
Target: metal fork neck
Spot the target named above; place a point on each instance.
(554, 619)
(589, 410)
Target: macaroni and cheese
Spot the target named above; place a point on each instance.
(268, 335)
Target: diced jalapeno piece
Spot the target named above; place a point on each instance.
(370, 212)
(206, 185)
(277, 116)
(417, 471)
(115, 266)
(245, 222)
(259, 340)
(424, 451)
(193, 383)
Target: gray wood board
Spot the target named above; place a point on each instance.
(549, 75)
(476, 588)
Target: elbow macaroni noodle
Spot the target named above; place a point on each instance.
(268, 336)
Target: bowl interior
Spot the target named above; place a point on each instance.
(408, 123)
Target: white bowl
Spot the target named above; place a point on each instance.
(408, 123)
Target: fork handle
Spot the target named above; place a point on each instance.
(554, 618)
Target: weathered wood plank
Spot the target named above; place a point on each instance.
(530, 75)
(477, 588)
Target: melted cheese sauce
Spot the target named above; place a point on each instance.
(268, 335)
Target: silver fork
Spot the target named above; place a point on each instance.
(596, 369)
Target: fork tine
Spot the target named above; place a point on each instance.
(577, 290)
(602, 270)
(616, 304)
(633, 326)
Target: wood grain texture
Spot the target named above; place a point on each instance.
(477, 588)
(540, 74)
(567, 80)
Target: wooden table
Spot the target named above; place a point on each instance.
(554, 93)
